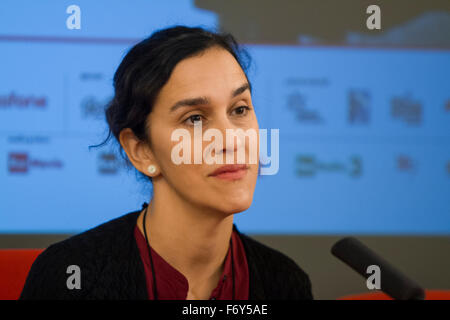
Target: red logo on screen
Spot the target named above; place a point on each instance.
(17, 162)
(21, 162)
(22, 101)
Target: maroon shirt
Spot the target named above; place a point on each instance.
(173, 285)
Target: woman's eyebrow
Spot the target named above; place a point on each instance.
(190, 102)
(241, 89)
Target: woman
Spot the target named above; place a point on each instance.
(183, 244)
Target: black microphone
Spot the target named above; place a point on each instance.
(394, 283)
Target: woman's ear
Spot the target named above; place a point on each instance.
(139, 153)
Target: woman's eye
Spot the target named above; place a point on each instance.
(193, 119)
(242, 110)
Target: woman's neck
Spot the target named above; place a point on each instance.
(191, 240)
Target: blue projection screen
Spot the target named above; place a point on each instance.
(364, 131)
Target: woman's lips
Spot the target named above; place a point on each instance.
(230, 172)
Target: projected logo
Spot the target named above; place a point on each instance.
(107, 163)
(406, 164)
(296, 102)
(308, 165)
(93, 108)
(91, 76)
(406, 109)
(17, 162)
(13, 100)
(21, 162)
(447, 106)
(358, 106)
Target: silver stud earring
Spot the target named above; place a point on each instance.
(151, 169)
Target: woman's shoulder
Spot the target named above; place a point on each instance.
(87, 253)
(270, 256)
(117, 230)
(282, 276)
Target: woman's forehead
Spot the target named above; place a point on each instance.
(216, 66)
(213, 74)
(204, 83)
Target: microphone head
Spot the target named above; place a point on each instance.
(359, 257)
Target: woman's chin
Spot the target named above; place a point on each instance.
(235, 205)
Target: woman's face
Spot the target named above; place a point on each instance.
(213, 76)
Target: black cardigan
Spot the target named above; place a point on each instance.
(111, 267)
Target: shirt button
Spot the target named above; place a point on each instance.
(213, 298)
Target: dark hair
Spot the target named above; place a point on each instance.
(147, 67)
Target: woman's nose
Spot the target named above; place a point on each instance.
(233, 143)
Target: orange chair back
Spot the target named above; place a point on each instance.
(429, 295)
(14, 267)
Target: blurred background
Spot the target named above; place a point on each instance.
(363, 114)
